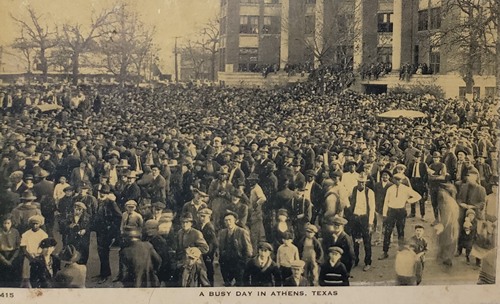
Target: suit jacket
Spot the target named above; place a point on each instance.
(422, 167)
(191, 238)
(472, 194)
(44, 191)
(242, 244)
(210, 237)
(380, 192)
(76, 177)
(40, 276)
(139, 263)
(196, 276)
(157, 189)
(344, 241)
(130, 192)
(255, 275)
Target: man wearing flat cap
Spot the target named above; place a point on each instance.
(77, 230)
(207, 229)
(296, 279)
(188, 236)
(139, 261)
(235, 248)
(195, 205)
(394, 210)
(192, 273)
(262, 270)
(333, 271)
(334, 235)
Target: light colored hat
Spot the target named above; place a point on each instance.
(205, 211)
(80, 205)
(193, 252)
(298, 264)
(36, 219)
(150, 224)
(131, 203)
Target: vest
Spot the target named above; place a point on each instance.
(353, 203)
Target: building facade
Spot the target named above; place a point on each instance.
(256, 33)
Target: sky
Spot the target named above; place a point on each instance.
(171, 17)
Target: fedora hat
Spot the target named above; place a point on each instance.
(28, 196)
(123, 163)
(69, 254)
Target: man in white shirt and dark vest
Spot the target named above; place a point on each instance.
(363, 215)
(394, 211)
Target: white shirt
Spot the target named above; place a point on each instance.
(257, 194)
(360, 208)
(397, 197)
(307, 192)
(59, 191)
(32, 241)
(350, 180)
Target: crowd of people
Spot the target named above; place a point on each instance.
(279, 187)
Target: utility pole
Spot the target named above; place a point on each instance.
(176, 68)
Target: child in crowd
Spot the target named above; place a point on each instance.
(333, 271)
(131, 218)
(311, 253)
(420, 248)
(30, 246)
(467, 235)
(287, 253)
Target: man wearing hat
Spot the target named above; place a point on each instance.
(334, 235)
(220, 190)
(235, 248)
(157, 189)
(131, 190)
(461, 168)
(139, 261)
(188, 236)
(44, 190)
(192, 273)
(362, 212)
(88, 200)
(196, 204)
(269, 184)
(296, 279)
(436, 175)
(471, 195)
(262, 270)
(24, 211)
(18, 185)
(333, 271)
(30, 244)
(76, 227)
(151, 232)
(394, 210)
(380, 190)
(44, 266)
(418, 175)
(210, 236)
(314, 193)
(80, 175)
(255, 212)
(131, 218)
(72, 274)
(106, 224)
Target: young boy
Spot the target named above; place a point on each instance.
(131, 218)
(30, 242)
(192, 273)
(466, 239)
(420, 248)
(287, 253)
(296, 279)
(406, 264)
(311, 253)
(333, 271)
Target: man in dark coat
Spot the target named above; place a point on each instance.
(208, 231)
(235, 248)
(334, 235)
(160, 246)
(417, 173)
(131, 191)
(44, 191)
(192, 273)
(262, 270)
(139, 261)
(45, 266)
(188, 236)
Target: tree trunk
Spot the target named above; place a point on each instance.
(43, 64)
(212, 67)
(75, 61)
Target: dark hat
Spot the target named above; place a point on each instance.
(69, 188)
(106, 189)
(69, 254)
(351, 162)
(461, 150)
(132, 232)
(28, 177)
(436, 154)
(159, 205)
(265, 246)
(48, 242)
(311, 228)
(386, 172)
(419, 226)
(85, 186)
(296, 162)
(228, 212)
(28, 196)
(310, 172)
(336, 249)
(42, 174)
(336, 220)
(187, 217)
(271, 166)
(253, 176)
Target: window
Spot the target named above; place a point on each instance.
(490, 91)
(309, 25)
(272, 1)
(249, 24)
(385, 23)
(476, 92)
(384, 54)
(249, 1)
(344, 23)
(435, 18)
(223, 26)
(271, 25)
(434, 63)
(423, 22)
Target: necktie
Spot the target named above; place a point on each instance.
(397, 191)
(128, 220)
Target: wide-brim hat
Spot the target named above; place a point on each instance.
(132, 232)
(253, 176)
(48, 242)
(69, 254)
(80, 205)
(69, 188)
(386, 172)
(42, 174)
(28, 196)
(193, 252)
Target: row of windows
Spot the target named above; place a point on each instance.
(250, 25)
(429, 19)
(476, 92)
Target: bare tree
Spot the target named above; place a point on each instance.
(195, 54)
(75, 40)
(209, 42)
(39, 34)
(123, 42)
(26, 47)
(472, 37)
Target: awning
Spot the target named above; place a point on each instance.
(394, 114)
